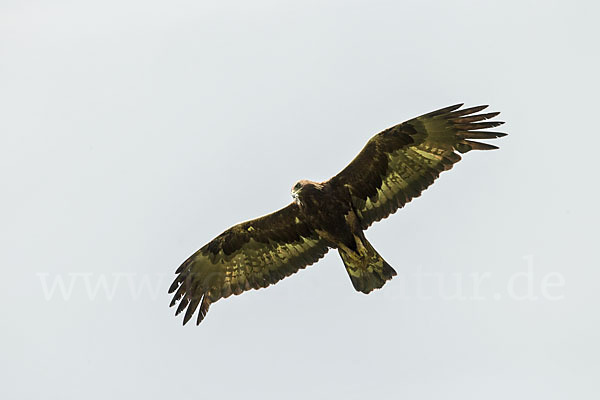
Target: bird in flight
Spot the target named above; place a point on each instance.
(394, 167)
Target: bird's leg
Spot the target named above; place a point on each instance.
(355, 255)
(339, 244)
(361, 249)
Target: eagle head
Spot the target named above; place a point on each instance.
(303, 186)
(296, 190)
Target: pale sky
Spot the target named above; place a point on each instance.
(133, 132)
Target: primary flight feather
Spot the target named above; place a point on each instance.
(395, 166)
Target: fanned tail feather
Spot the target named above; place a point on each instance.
(366, 268)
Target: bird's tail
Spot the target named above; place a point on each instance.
(367, 269)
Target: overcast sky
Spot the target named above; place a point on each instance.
(133, 132)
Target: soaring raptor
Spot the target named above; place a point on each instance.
(395, 166)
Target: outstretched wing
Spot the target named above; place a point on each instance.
(250, 255)
(397, 164)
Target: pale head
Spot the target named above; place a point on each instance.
(297, 188)
(302, 186)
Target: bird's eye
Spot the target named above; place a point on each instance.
(297, 186)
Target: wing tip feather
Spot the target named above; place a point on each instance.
(465, 146)
(444, 110)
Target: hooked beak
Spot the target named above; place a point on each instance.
(295, 197)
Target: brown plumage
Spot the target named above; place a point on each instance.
(395, 166)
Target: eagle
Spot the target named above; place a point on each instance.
(395, 166)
